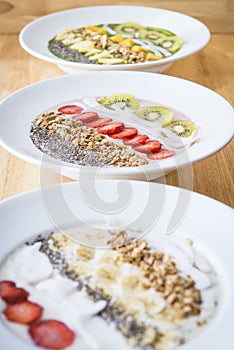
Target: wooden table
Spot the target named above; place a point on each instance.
(212, 67)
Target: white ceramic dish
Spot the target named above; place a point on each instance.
(214, 115)
(208, 222)
(35, 36)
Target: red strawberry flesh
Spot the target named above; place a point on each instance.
(162, 154)
(149, 147)
(86, 117)
(70, 109)
(127, 133)
(112, 128)
(100, 122)
(23, 313)
(52, 334)
(137, 140)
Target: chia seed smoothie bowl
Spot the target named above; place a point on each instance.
(114, 38)
(115, 282)
(115, 124)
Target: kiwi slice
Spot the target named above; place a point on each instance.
(157, 114)
(182, 128)
(172, 43)
(154, 36)
(160, 30)
(128, 28)
(121, 101)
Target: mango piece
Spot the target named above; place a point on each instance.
(92, 28)
(127, 42)
(117, 38)
(152, 57)
(137, 48)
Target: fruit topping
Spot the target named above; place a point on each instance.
(127, 133)
(128, 28)
(121, 101)
(182, 128)
(71, 109)
(23, 313)
(86, 117)
(163, 153)
(11, 294)
(51, 334)
(137, 140)
(99, 122)
(149, 147)
(155, 114)
(112, 128)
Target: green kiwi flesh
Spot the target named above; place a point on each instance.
(128, 28)
(121, 101)
(182, 128)
(156, 114)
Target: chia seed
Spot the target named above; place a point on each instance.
(55, 147)
(62, 51)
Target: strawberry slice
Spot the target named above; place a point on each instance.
(100, 122)
(149, 147)
(71, 109)
(112, 128)
(137, 140)
(51, 334)
(163, 153)
(11, 294)
(23, 313)
(127, 133)
(86, 117)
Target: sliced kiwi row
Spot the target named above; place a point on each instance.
(156, 114)
(160, 37)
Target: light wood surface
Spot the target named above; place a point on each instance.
(212, 67)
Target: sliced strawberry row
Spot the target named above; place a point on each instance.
(48, 334)
(117, 130)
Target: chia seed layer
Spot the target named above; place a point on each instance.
(55, 147)
(62, 51)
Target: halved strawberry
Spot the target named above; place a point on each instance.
(71, 109)
(52, 334)
(137, 140)
(127, 133)
(149, 147)
(23, 313)
(11, 294)
(86, 117)
(163, 153)
(112, 128)
(100, 122)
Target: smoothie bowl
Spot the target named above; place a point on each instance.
(114, 38)
(115, 124)
(114, 285)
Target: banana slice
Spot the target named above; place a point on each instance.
(107, 274)
(132, 304)
(85, 253)
(108, 257)
(130, 283)
(154, 304)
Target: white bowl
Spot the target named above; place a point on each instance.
(207, 222)
(212, 112)
(35, 36)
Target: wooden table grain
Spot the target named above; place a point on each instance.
(212, 67)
